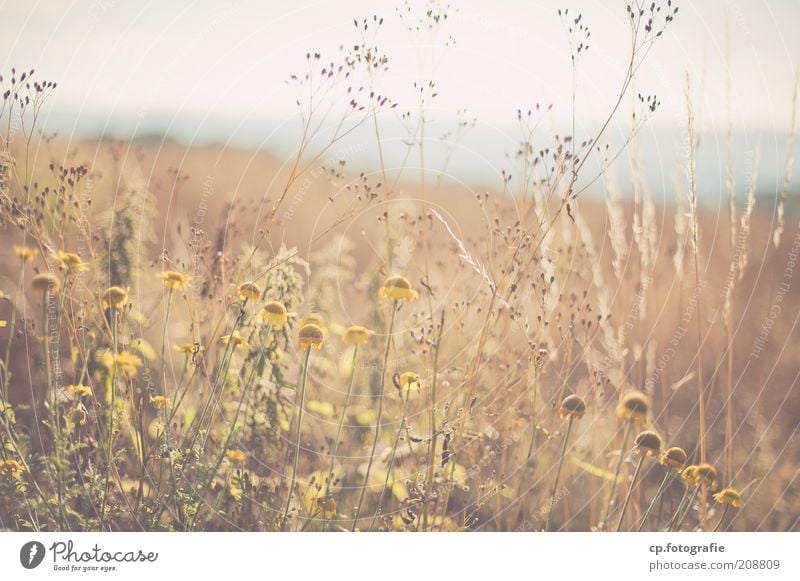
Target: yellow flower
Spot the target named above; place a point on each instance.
(274, 313)
(12, 468)
(706, 474)
(249, 291)
(397, 288)
(123, 361)
(45, 282)
(189, 348)
(357, 335)
(159, 401)
(26, 253)
(314, 319)
(689, 476)
(236, 340)
(729, 496)
(3, 323)
(633, 407)
(236, 456)
(409, 380)
(573, 406)
(173, 279)
(311, 336)
(115, 297)
(648, 443)
(80, 390)
(70, 261)
(673, 458)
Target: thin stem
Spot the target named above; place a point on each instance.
(688, 506)
(678, 509)
(655, 499)
(630, 492)
(622, 454)
(335, 449)
(378, 419)
(390, 466)
(552, 499)
(721, 517)
(301, 404)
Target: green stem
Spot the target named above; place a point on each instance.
(297, 435)
(378, 419)
(552, 499)
(630, 492)
(679, 508)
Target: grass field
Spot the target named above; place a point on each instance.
(205, 338)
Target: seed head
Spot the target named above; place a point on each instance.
(648, 443)
(311, 337)
(729, 496)
(115, 297)
(633, 407)
(673, 458)
(45, 282)
(573, 406)
(357, 335)
(249, 291)
(397, 288)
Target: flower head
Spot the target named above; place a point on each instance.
(159, 401)
(573, 406)
(314, 319)
(236, 340)
(706, 474)
(633, 407)
(115, 297)
(70, 261)
(648, 443)
(249, 291)
(26, 253)
(409, 380)
(236, 456)
(673, 458)
(357, 335)
(729, 496)
(311, 336)
(397, 288)
(274, 313)
(45, 282)
(124, 361)
(189, 348)
(173, 279)
(12, 468)
(80, 390)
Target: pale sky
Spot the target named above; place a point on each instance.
(215, 70)
(230, 57)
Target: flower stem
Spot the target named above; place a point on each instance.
(297, 435)
(390, 466)
(630, 492)
(335, 449)
(654, 501)
(552, 499)
(378, 419)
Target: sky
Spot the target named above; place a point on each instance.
(207, 69)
